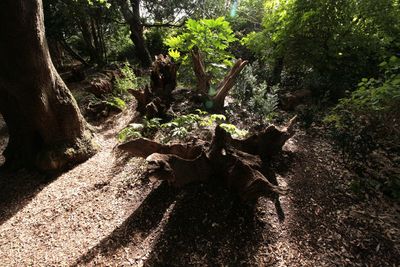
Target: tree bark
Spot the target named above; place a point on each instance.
(203, 78)
(156, 100)
(227, 83)
(130, 10)
(215, 101)
(56, 52)
(277, 71)
(242, 165)
(46, 128)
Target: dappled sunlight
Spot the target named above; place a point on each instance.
(105, 211)
(199, 133)
(71, 214)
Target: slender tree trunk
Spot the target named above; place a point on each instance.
(45, 126)
(137, 38)
(131, 13)
(216, 100)
(90, 41)
(277, 71)
(73, 53)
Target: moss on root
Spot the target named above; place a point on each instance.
(65, 156)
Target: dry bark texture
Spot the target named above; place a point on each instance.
(130, 10)
(204, 80)
(154, 101)
(240, 164)
(45, 126)
(100, 85)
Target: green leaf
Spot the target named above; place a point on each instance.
(175, 54)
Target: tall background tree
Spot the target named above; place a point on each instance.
(140, 15)
(45, 126)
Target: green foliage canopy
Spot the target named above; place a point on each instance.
(334, 41)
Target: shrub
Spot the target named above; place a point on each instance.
(212, 37)
(119, 45)
(368, 121)
(126, 81)
(256, 96)
(370, 114)
(154, 41)
(333, 43)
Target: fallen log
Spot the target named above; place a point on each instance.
(240, 171)
(239, 164)
(143, 97)
(266, 143)
(143, 147)
(179, 171)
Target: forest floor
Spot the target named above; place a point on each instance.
(105, 212)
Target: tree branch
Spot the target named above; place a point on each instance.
(167, 24)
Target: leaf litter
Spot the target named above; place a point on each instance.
(104, 212)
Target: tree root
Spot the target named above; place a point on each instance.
(239, 164)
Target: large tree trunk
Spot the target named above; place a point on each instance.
(45, 126)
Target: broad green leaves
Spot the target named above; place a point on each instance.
(180, 127)
(211, 36)
(337, 41)
(374, 98)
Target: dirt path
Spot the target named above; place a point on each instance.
(105, 213)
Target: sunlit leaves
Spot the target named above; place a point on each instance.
(104, 3)
(175, 54)
(211, 36)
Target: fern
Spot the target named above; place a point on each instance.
(257, 96)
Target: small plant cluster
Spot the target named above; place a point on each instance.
(115, 102)
(117, 99)
(107, 98)
(258, 97)
(179, 127)
(127, 80)
(370, 112)
(369, 118)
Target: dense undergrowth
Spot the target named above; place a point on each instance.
(366, 126)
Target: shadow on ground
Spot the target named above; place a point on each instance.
(18, 188)
(136, 227)
(207, 226)
(322, 219)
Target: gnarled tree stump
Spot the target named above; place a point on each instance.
(240, 164)
(216, 101)
(154, 101)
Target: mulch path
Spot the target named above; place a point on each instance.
(104, 212)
